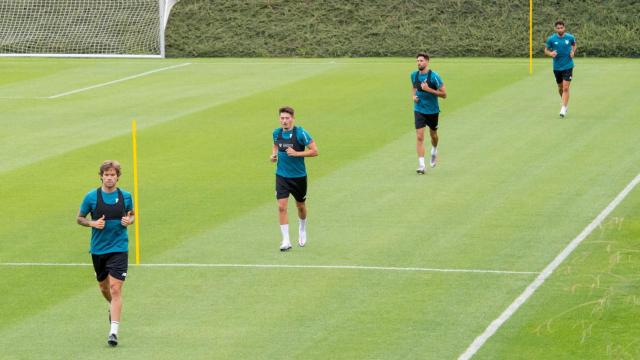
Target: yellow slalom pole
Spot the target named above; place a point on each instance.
(530, 37)
(135, 191)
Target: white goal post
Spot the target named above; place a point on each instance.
(84, 28)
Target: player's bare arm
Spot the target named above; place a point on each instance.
(312, 150)
(82, 220)
(550, 52)
(441, 92)
(274, 154)
(573, 50)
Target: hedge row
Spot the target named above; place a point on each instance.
(355, 28)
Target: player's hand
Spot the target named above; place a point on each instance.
(98, 224)
(554, 54)
(571, 54)
(425, 86)
(273, 158)
(291, 152)
(415, 98)
(126, 220)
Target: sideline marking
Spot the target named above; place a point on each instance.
(284, 266)
(526, 294)
(117, 81)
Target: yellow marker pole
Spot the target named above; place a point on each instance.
(530, 37)
(135, 191)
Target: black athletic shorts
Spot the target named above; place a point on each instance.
(422, 120)
(561, 75)
(114, 264)
(294, 186)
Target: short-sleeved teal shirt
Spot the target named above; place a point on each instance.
(562, 45)
(290, 166)
(427, 102)
(113, 237)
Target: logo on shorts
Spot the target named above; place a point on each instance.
(124, 274)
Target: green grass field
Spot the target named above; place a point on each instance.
(515, 184)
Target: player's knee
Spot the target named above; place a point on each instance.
(300, 206)
(565, 88)
(115, 290)
(282, 208)
(420, 138)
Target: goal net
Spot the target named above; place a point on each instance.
(83, 28)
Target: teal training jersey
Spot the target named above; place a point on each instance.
(427, 102)
(114, 237)
(562, 45)
(289, 166)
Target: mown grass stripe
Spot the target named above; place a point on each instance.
(540, 279)
(117, 81)
(285, 266)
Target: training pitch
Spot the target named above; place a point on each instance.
(397, 266)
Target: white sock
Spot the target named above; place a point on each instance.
(434, 150)
(303, 224)
(114, 327)
(421, 161)
(284, 229)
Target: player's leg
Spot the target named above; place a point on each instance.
(115, 288)
(117, 265)
(420, 142)
(104, 289)
(282, 197)
(565, 93)
(434, 146)
(102, 276)
(432, 122)
(300, 194)
(420, 124)
(282, 211)
(284, 224)
(302, 217)
(565, 97)
(420, 150)
(558, 74)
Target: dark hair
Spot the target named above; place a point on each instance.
(559, 22)
(424, 55)
(286, 109)
(110, 164)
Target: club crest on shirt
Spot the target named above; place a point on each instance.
(566, 42)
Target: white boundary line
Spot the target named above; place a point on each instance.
(526, 294)
(117, 81)
(285, 266)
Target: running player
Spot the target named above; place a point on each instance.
(561, 46)
(427, 88)
(291, 144)
(111, 212)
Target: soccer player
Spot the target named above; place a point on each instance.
(561, 46)
(291, 144)
(427, 88)
(111, 212)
